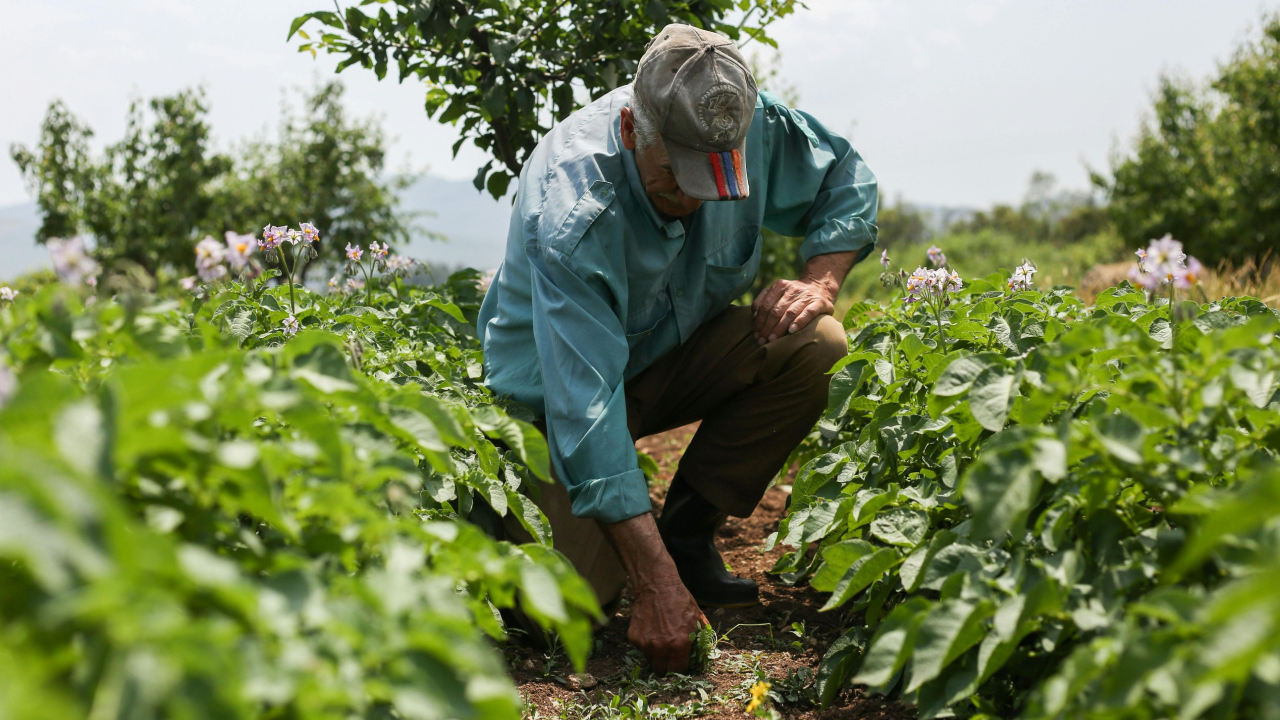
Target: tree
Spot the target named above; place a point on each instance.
(507, 71)
(149, 197)
(145, 199)
(1206, 166)
(324, 168)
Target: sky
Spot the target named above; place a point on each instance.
(950, 102)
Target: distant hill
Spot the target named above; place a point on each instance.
(475, 226)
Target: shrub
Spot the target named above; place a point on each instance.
(1040, 515)
(204, 515)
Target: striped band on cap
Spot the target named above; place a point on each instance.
(731, 177)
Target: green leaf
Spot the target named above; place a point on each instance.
(518, 435)
(889, 649)
(542, 594)
(1121, 435)
(951, 627)
(991, 396)
(960, 375)
(838, 662)
(861, 564)
(1001, 487)
(904, 527)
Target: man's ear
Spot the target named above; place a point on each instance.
(628, 128)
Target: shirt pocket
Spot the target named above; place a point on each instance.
(643, 321)
(732, 268)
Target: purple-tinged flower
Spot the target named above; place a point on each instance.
(354, 252)
(333, 283)
(952, 281)
(399, 263)
(293, 236)
(1142, 259)
(8, 294)
(290, 326)
(209, 256)
(378, 252)
(189, 283)
(272, 235)
(309, 232)
(486, 280)
(355, 284)
(1021, 279)
(1164, 256)
(936, 256)
(239, 248)
(884, 258)
(1145, 280)
(1190, 275)
(71, 261)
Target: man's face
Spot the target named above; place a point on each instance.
(655, 172)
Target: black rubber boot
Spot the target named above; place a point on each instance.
(688, 526)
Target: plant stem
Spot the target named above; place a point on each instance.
(288, 273)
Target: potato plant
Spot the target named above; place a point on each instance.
(1036, 508)
(209, 512)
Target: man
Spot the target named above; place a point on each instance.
(637, 223)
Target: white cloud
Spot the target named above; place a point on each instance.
(919, 58)
(945, 38)
(174, 8)
(982, 13)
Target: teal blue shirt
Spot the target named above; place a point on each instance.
(595, 286)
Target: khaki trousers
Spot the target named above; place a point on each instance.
(756, 403)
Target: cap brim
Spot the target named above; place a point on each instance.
(709, 176)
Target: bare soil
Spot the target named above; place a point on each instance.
(758, 637)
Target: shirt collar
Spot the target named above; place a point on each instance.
(674, 230)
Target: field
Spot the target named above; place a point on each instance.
(248, 499)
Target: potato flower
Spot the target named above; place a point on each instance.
(378, 252)
(354, 252)
(209, 256)
(271, 237)
(8, 294)
(290, 326)
(936, 256)
(1021, 279)
(309, 232)
(239, 248)
(884, 258)
(1190, 275)
(355, 284)
(71, 261)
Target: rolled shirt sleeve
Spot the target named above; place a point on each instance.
(583, 353)
(819, 187)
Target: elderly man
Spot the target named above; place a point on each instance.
(637, 224)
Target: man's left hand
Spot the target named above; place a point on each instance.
(787, 306)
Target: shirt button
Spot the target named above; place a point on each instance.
(679, 292)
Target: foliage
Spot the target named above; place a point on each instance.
(204, 516)
(325, 168)
(143, 200)
(508, 71)
(1043, 520)
(1045, 215)
(1205, 165)
(151, 195)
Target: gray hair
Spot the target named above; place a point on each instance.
(646, 128)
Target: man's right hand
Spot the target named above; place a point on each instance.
(663, 614)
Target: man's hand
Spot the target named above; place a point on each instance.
(787, 306)
(664, 613)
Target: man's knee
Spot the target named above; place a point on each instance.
(830, 343)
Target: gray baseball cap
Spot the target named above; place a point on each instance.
(699, 91)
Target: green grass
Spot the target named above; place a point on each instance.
(979, 254)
